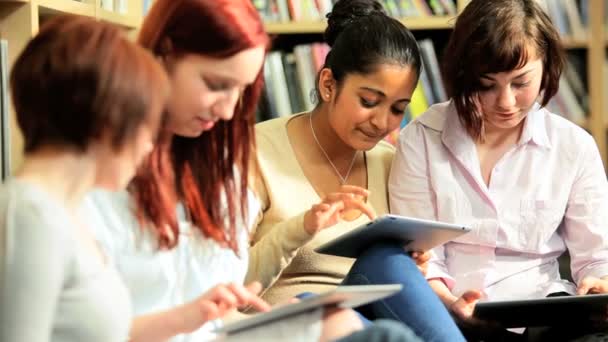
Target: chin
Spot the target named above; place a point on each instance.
(364, 145)
(189, 133)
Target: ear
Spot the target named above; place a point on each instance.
(326, 85)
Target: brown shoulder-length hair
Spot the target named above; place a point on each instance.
(492, 36)
(79, 80)
(207, 174)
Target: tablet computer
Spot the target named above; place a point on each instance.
(342, 297)
(548, 311)
(415, 234)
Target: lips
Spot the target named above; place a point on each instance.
(506, 115)
(371, 135)
(205, 124)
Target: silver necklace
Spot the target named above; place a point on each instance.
(342, 179)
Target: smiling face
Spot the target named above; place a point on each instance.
(506, 97)
(368, 107)
(205, 90)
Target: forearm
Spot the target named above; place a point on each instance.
(442, 291)
(274, 251)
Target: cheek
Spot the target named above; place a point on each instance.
(487, 100)
(528, 96)
(394, 122)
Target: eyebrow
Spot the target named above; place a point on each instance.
(516, 77)
(380, 93)
(222, 78)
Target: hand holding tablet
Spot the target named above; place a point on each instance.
(416, 234)
(350, 296)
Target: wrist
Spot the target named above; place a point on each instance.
(185, 319)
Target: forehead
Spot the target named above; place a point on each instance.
(530, 65)
(241, 68)
(391, 79)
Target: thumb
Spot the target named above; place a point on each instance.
(584, 286)
(471, 296)
(254, 287)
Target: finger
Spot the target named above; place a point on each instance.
(331, 216)
(224, 297)
(293, 300)
(259, 304)
(254, 287)
(209, 311)
(319, 208)
(471, 296)
(338, 196)
(248, 298)
(421, 257)
(585, 286)
(365, 208)
(241, 293)
(353, 189)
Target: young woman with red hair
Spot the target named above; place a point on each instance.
(182, 227)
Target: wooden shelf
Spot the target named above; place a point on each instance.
(570, 43)
(53, 7)
(423, 23)
(584, 123)
(124, 20)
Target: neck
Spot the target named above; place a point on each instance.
(330, 142)
(494, 136)
(65, 174)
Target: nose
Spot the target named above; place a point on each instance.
(224, 107)
(379, 119)
(506, 98)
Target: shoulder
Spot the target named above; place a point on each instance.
(568, 137)
(559, 127)
(433, 121)
(271, 128)
(32, 222)
(112, 218)
(435, 117)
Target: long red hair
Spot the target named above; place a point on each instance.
(207, 174)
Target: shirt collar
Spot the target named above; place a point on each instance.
(535, 129)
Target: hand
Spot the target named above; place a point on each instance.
(334, 206)
(338, 323)
(288, 301)
(464, 306)
(422, 261)
(219, 301)
(591, 285)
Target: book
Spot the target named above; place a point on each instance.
(5, 151)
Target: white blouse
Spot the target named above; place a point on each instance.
(548, 194)
(160, 280)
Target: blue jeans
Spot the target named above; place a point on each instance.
(383, 330)
(416, 305)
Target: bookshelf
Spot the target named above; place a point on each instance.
(423, 23)
(593, 46)
(20, 21)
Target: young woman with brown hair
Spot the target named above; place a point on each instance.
(530, 183)
(89, 104)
